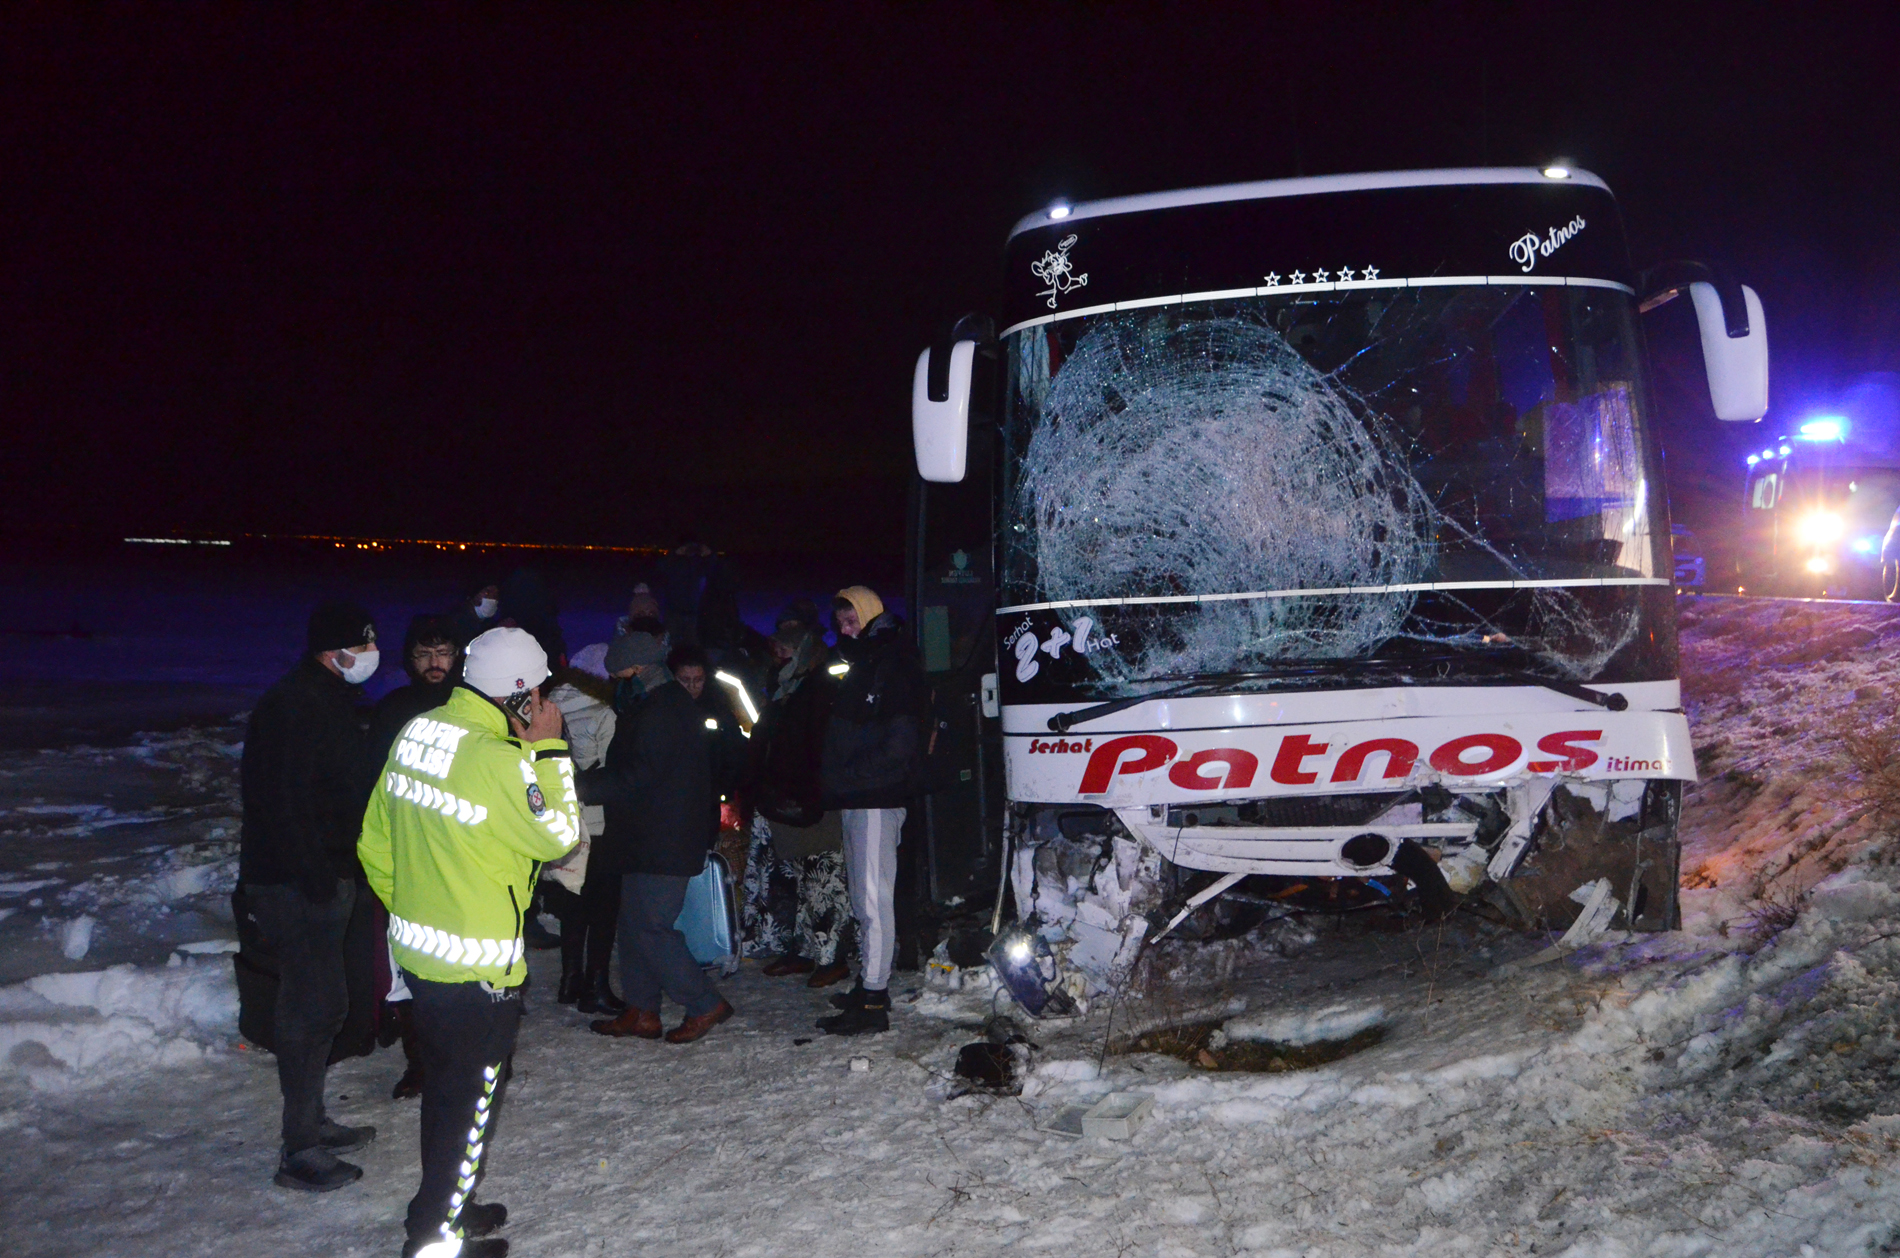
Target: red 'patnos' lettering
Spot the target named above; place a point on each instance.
(1152, 751)
(1400, 756)
(1241, 766)
(1504, 751)
(1295, 750)
(1571, 758)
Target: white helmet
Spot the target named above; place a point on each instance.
(504, 662)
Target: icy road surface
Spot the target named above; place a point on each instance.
(1726, 1090)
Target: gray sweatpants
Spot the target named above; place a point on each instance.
(870, 864)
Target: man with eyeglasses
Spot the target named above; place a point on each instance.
(432, 656)
(433, 659)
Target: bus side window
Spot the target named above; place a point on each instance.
(1764, 494)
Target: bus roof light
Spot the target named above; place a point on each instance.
(1828, 428)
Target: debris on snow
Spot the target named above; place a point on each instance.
(75, 936)
(1334, 1022)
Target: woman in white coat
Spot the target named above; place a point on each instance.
(584, 694)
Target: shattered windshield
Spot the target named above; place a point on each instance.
(1218, 486)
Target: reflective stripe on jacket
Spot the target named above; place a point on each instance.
(454, 827)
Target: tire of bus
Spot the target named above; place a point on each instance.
(1890, 579)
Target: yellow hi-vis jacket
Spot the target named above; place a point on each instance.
(452, 834)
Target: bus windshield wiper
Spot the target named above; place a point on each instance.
(1615, 701)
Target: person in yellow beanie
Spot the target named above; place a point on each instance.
(872, 751)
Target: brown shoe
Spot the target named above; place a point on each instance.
(644, 1023)
(790, 963)
(693, 1028)
(826, 975)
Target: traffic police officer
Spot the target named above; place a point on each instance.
(473, 794)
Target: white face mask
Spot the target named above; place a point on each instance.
(486, 608)
(364, 667)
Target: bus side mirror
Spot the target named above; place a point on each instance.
(1737, 365)
(940, 415)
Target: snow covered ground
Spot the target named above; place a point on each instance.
(1730, 1089)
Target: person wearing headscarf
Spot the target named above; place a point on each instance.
(872, 755)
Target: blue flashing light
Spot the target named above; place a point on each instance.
(1866, 545)
(1754, 459)
(1786, 451)
(1827, 428)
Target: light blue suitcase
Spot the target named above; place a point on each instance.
(710, 917)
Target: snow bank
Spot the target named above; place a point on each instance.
(59, 1031)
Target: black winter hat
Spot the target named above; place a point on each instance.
(337, 626)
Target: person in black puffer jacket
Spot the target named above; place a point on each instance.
(871, 761)
(797, 902)
(305, 783)
(656, 785)
(432, 658)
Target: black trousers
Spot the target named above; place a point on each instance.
(600, 903)
(466, 1032)
(313, 996)
(567, 907)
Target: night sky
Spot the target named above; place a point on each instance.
(574, 274)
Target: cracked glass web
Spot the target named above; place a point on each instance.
(1179, 455)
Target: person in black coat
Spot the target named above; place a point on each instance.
(692, 668)
(655, 786)
(871, 761)
(432, 656)
(800, 865)
(305, 784)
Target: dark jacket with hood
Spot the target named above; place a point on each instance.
(405, 703)
(873, 749)
(785, 771)
(305, 782)
(726, 744)
(656, 781)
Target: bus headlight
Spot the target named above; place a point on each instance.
(1818, 528)
(1819, 564)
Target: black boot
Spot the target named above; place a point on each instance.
(573, 971)
(597, 996)
(482, 1218)
(871, 1016)
(853, 999)
(315, 1169)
